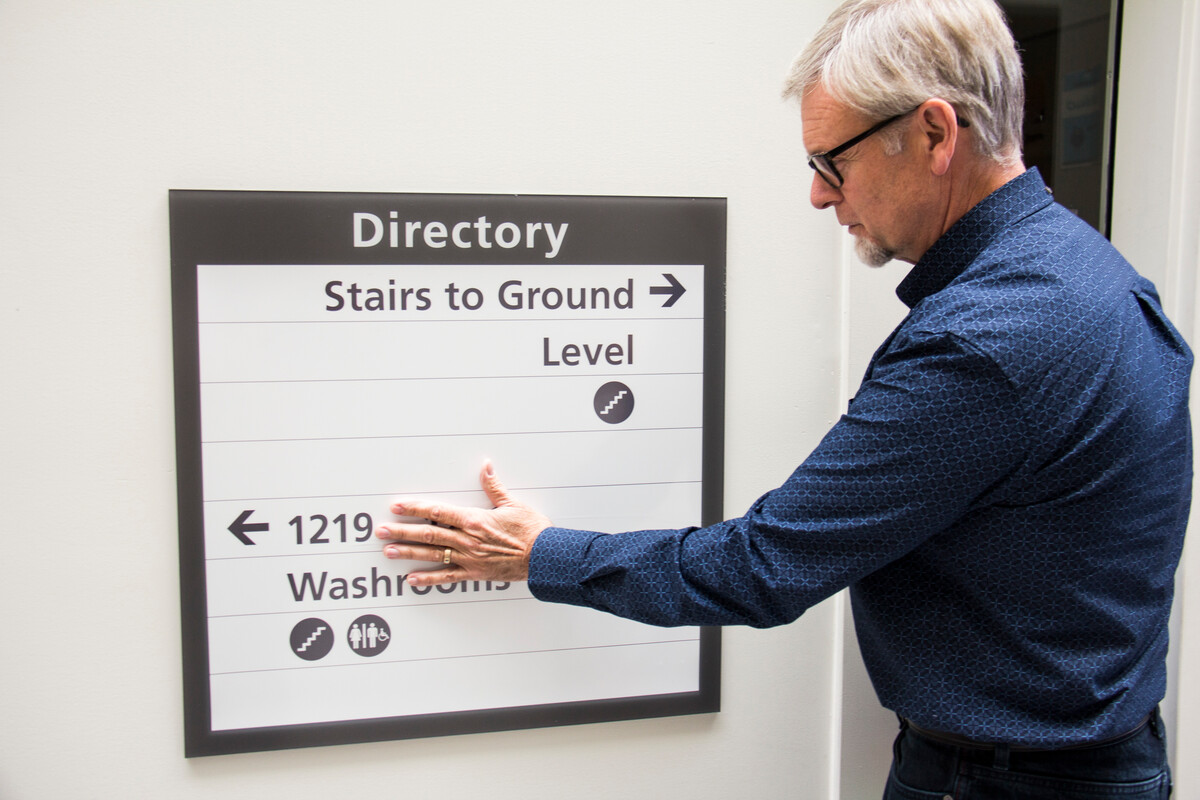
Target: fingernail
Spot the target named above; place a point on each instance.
(397, 508)
(391, 552)
(487, 468)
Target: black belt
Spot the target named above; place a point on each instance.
(962, 741)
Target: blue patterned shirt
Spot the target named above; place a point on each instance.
(1006, 496)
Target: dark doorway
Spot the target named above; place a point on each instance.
(1069, 49)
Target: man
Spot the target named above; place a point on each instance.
(1007, 493)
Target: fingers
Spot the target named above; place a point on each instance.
(484, 543)
(451, 516)
(437, 538)
(492, 487)
(434, 577)
(445, 573)
(466, 518)
(417, 552)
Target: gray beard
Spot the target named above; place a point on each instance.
(870, 253)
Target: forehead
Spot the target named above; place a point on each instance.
(826, 122)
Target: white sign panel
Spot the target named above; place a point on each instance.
(334, 351)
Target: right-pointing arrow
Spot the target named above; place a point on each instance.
(676, 290)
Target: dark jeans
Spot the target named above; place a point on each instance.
(1132, 767)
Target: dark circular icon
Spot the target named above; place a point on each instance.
(312, 639)
(368, 635)
(613, 402)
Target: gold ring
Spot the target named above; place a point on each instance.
(446, 556)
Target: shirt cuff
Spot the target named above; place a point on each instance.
(557, 565)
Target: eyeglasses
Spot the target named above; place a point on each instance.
(823, 162)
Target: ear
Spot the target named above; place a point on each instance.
(938, 124)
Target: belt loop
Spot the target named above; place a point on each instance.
(1000, 756)
(1156, 723)
(896, 741)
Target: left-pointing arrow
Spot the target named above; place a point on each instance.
(241, 527)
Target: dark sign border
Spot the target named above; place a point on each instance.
(245, 227)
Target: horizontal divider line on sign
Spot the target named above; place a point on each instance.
(377, 662)
(428, 320)
(377, 606)
(577, 376)
(469, 490)
(375, 545)
(482, 434)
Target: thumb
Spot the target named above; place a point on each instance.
(493, 488)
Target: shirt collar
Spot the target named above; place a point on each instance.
(958, 247)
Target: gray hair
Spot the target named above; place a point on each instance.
(886, 57)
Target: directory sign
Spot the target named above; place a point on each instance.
(337, 350)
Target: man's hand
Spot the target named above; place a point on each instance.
(472, 544)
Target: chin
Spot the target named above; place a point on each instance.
(870, 253)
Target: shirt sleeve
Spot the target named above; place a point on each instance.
(935, 424)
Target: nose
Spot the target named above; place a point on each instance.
(822, 195)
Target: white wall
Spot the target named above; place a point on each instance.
(105, 106)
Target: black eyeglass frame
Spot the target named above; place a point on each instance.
(822, 163)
